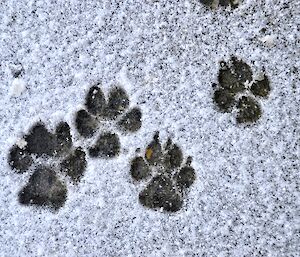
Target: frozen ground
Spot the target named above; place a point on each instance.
(166, 54)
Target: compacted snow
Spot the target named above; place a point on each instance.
(167, 56)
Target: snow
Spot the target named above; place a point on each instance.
(268, 40)
(166, 54)
(21, 143)
(18, 86)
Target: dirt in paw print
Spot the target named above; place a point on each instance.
(237, 90)
(224, 3)
(166, 174)
(105, 115)
(47, 155)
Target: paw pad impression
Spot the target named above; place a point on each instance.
(238, 89)
(47, 154)
(98, 112)
(166, 174)
(224, 3)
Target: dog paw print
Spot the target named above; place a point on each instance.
(238, 90)
(166, 174)
(99, 113)
(47, 154)
(224, 3)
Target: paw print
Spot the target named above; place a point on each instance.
(99, 112)
(168, 176)
(224, 3)
(47, 154)
(237, 88)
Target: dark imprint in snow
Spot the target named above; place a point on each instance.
(116, 110)
(168, 175)
(223, 3)
(44, 187)
(237, 88)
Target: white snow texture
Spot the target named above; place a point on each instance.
(166, 54)
(17, 87)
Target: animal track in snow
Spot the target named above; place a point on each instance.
(166, 174)
(47, 154)
(238, 89)
(98, 111)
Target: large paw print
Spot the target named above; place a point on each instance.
(99, 112)
(237, 88)
(167, 175)
(224, 3)
(47, 154)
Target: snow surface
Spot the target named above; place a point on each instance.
(17, 87)
(245, 201)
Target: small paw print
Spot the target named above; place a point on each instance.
(238, 89)
(47, 154)
(168, 176)
(224, 3)
(99, 112)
